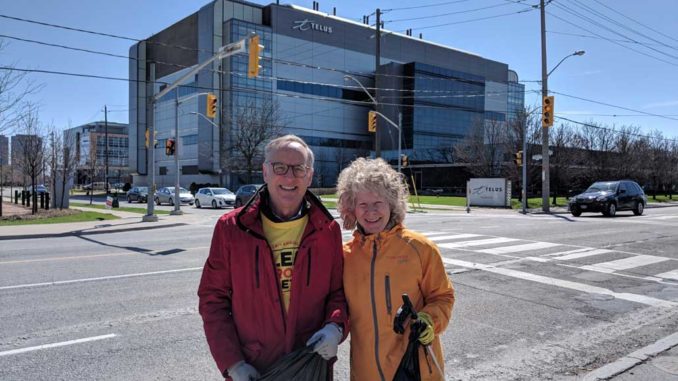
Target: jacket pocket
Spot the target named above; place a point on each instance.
(387, 293)
(256, 265)
(251, 350)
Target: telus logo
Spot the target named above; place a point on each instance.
(307, 24)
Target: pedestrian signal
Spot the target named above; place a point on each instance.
(169, 147)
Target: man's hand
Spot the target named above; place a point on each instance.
(243, 371)
(328, 339)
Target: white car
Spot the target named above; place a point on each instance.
(214, 197)
(166, 195)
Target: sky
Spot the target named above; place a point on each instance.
(627, 77)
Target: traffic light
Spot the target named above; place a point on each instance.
(256, 50)
(169, 147)
(211, 105)
(547, 112)
(519, 158)
(372, 121)
(405, 161)
(147, 140)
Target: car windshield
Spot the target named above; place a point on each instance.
(143, 189)
(603, 187)
(221, 191)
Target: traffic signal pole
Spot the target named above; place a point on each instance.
(223, 52)
(177, 194)
(545, 179)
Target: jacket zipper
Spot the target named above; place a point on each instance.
(374, 311)
(308, 271)
(256, 264)
(387, 287)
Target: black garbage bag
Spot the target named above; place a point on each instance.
(408, 369)
(300, 365)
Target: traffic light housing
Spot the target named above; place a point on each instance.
(169, 147)
(255, 52)
(518, 158)
(211, 105)
(547, 111)
(405, 161)
(372, 121)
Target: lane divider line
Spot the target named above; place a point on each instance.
(54, 345)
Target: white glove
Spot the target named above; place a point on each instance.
(243, 371)
(330, 335)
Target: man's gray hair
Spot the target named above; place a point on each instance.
(283, 141)
(376, 176)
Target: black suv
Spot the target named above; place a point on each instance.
(608, 197)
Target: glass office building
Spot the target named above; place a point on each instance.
(436, 93)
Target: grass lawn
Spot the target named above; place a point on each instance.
(78, 216)
(122, 209)
(535, 202)
(661, 198)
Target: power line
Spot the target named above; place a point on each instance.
(601, 38)
(473, 20)
(447, 14)
(425, 6)
(611, 105)
(637, 22)
(614, 130)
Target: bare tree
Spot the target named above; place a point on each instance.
(255, 124)
(93, 167)
(562, 138)
(14, 88)
(31, 148)
(482, 150)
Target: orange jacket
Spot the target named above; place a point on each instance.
(378, 269)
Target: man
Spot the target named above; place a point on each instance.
(273, 279)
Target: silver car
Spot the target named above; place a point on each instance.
(214, 197)
(166, 195)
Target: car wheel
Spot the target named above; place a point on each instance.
(611, 210)
(214, 204)
(638, 210)
(575, 210)
(129, 199)
(171, 202)
(157, 201)
(238, 203)
(197, 203)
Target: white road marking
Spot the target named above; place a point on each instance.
(455, 236)
(642, 299)
(54, 345)
(518, 248)
(669, 275)
(582, 254)
(559, 253)
(98, 278)
(624, 264)
(480, 242)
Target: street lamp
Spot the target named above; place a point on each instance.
(398, 126)
(577, 53)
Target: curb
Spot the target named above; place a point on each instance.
(632, 359)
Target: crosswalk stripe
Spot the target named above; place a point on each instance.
(648, 300)
(560, 253)
(432, 233)
(582, 254)
(624, 264)
(518, 248)
(455, 236)
(669, 275)
(480, 242)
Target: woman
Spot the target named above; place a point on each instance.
(383, 261)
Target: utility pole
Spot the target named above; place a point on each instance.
(523, 121)
(150, 164)
(545, 188)
(377, 134)
(105, 151)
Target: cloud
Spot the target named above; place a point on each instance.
(661, 104)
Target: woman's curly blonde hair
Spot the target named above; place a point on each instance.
(376, 176)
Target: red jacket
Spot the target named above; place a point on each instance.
(240, 302)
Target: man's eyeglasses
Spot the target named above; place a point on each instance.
(280, 169)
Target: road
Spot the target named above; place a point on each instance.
(538, 296)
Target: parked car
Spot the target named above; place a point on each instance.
(215, 197)
(39, 189)
(245, 193)
(609, 197)
(166, 195)
(139, 194)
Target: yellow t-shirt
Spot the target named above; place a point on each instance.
(284, 239)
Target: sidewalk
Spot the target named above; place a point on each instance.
(657, 361)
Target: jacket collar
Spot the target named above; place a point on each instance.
(360, 236)
(249, 218)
